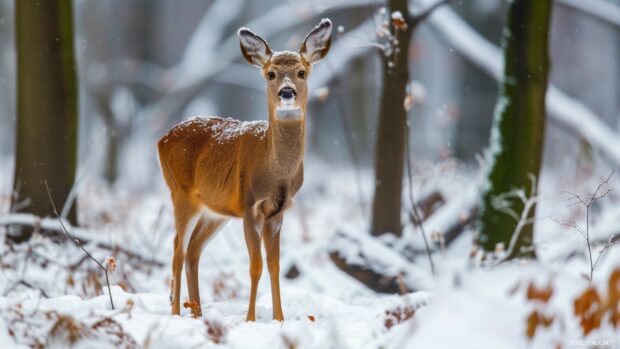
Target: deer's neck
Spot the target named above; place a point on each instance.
(286, 140)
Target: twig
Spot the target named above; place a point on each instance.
(585, 233)
(600, 253)
(528, 204)
(77, 242)
(414, 215)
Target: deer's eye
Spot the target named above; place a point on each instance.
(301, 74)
(271, 75)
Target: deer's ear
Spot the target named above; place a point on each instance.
(254, 48)
(317, 43)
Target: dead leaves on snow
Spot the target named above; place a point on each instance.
(398, 315)
(539, 294)
(591, 307)
(539, 317)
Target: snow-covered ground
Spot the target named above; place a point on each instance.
(53, 296)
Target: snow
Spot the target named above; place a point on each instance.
(223, 130)
(397, 16)
(285, 53)
(466, 306)
(314, 321)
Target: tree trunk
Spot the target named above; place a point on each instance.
(518, 132)
(390, 146)
(46, 148)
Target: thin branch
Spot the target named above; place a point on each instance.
(77, 242)
(596, 195)
(528, 205)
(600, 253)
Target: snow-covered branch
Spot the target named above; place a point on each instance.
(563, 110)
(375, 264)
(289, 15)
(599, 9)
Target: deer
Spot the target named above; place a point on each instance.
(221, 168)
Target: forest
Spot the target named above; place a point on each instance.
(310, 174)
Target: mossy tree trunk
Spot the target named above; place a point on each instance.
(46, 148)
(517, 136)
(390, 146)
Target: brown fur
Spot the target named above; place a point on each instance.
(251, 172)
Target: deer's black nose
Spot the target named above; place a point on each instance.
(287, 93)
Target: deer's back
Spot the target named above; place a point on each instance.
(203, 157)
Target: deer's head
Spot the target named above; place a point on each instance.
(287, 72)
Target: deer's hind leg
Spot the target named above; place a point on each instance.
(184, 216)
(205, 230)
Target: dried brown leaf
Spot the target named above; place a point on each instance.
(589, 308)
(111, 264)
(539, 294)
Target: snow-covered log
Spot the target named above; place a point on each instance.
(563, 110)
(376, 265)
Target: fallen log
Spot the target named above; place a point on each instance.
(376, 265)
(430, 204)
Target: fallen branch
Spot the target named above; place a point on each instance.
(430, 204)
(463, 221)
(51, 227)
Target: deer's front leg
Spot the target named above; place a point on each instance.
(252, 240)
(271, 238)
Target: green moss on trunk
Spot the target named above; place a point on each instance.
(517, 136)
